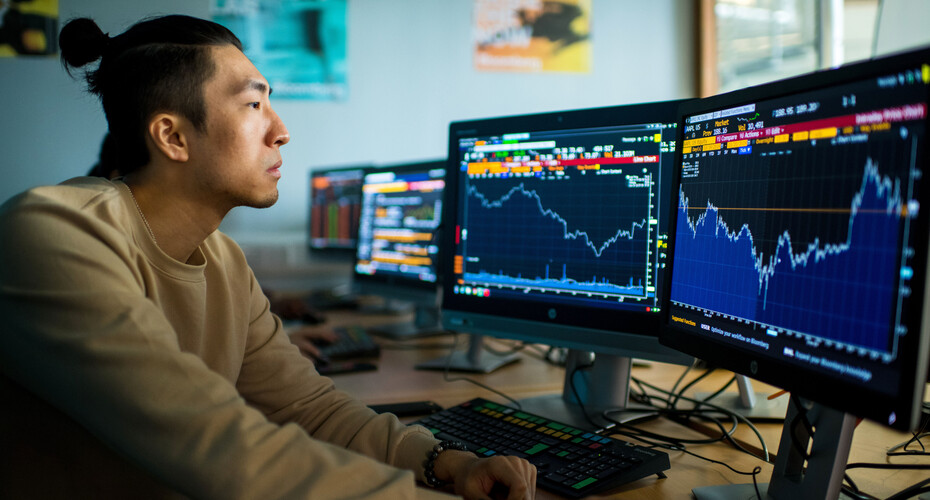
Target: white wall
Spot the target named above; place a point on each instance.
(410, 74)
(51, 128)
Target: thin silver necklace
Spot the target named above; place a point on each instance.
(144, 220)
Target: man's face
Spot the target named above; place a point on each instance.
(236, 160)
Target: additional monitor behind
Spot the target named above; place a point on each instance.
(335, 205)
(398, 242)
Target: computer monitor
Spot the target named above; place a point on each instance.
(335, 205)
(799, 251)
(556, 227)
(398, 242)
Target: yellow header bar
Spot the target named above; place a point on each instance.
(703, 141)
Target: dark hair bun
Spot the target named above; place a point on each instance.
(81, 41)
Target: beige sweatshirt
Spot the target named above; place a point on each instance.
(127, 374)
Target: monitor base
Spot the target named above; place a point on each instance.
(462, 362)
(425, 323)
(748, 403)
(474, 360)
(406, 331)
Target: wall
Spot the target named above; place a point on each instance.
(410, 74)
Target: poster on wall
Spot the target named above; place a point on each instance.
(533, 36)
(28, 27)
(298, 45)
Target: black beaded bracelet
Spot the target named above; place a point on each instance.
(431, 461)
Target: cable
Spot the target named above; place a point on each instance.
(447, 378)
(721, 410)
(687, 414)
(878, 22)
(669, 443)
(916, 439)
(921, 433)
(866, 465)
(584, 412)
(511, 350)
(682, 377)
(755, 471)
(678, 395)
(800, 419)
(720, 391)
(912, 491)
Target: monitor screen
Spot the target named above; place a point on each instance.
(560, 218)
(799, 246)
(401, 211)
(557, 228)
(335, 205)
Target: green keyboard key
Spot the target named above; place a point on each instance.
(582, 484)
(536, 449)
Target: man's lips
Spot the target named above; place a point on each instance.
(275, 169)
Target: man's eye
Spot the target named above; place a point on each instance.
(255, 105)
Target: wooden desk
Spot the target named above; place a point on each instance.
(396, 380)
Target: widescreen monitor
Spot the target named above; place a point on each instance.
(555, 234)
(335, 205)
(799, 249)
(398, 243)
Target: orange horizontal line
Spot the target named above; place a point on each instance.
(814, 210)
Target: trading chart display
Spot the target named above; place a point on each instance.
(335, 200)
(795, 225)
(564, 216)
(401, 211)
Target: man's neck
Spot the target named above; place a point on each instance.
(179, 222)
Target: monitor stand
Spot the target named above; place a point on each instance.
(602, 387)
(425, 323)
(748, 403)
(474, 360)
(820, 478)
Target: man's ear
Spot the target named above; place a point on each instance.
(167, 132)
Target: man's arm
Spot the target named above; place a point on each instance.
(275, 378)
(80, 334)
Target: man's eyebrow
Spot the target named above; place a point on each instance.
(257, 85)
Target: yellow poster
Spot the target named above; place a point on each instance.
(28, 27)
(533, 35)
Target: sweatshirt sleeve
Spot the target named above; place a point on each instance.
(284, 385)
(81, 334)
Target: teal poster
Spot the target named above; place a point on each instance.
(299, 45)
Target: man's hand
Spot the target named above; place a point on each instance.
(482, 478)
(308, 339)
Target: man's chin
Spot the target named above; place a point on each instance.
(266, 202)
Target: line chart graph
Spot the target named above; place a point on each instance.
(839, 288)
(584, 233)
(576, 234)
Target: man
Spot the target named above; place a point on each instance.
(139, 357)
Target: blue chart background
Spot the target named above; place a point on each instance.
(838, 290)
(515, 231)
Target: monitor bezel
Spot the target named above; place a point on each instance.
(397, 285)
(551, 323)
(346, 252)
(845, 396)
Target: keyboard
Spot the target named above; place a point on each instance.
(353, 342)
(571, 462)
